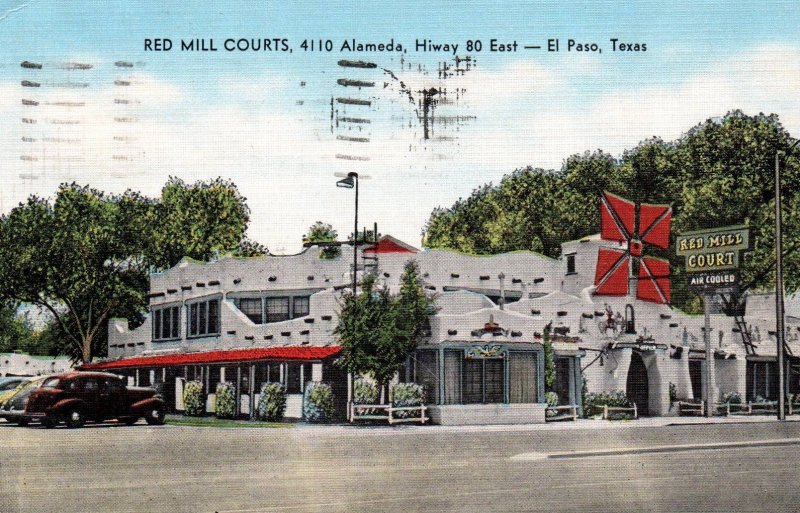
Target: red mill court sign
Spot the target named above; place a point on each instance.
(712, 256)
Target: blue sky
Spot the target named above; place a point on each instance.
(263, 119)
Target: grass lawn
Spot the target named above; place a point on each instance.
(222, 423)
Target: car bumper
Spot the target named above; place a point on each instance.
(15, 415)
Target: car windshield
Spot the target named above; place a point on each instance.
(10, 385)
(50, 383)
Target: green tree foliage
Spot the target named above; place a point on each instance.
(323, 232)
(14, 329)
(549, 359)
(379, 331)
(85, 256)
(718, 173)
(198, 221)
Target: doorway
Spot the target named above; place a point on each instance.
(637, 386)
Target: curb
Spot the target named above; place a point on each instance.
(534, 456)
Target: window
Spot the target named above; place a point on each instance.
(571, 263)
(251, 307)
(301, 307)
(277, 309)
(483, 381)
(166, 323)
(762, 380)
(203, 318)
(296, 377)
(427, 374)
(50, 383)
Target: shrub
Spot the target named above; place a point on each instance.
(732, 397)
(318, 403)
(551, 398)
(596, 401)
(407, 394)
(272, 403)
(364, 392)
(194, 400)
(226, 401)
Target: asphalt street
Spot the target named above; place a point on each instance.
(108, 468)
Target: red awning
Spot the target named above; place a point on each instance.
(229, 356)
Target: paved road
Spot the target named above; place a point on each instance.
(188, 469)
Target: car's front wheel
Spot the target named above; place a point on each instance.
(74, 418)
(22, 422)
(155, 417)
(129, 421)
(49, 423)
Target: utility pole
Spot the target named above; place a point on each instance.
(780, 330)
(709, 356)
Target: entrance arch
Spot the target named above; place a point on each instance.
(637, 387)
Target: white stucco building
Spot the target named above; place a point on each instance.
(254, 320)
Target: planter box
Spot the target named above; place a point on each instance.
(487, 414)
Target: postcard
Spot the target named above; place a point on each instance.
(399, 256)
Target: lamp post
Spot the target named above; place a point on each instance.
(779, 307)
(351, 182)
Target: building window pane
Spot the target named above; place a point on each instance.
(427, 372)
(213, 317)
(452, 375)
(193, 319)
(473, 381)
(301, 307)
(166, 324)
(202, 318)
(277, 309)
(571, 264)
(156, 324)
(251, 307)
(522, 377)
(176, 322)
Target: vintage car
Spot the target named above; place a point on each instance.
(13, 407)
(76, 397)
(10, 386)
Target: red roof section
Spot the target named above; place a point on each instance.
(228, 356)
(388, 244)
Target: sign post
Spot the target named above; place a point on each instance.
(712, 262)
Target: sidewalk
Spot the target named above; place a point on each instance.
(580, 424)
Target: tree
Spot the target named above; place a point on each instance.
(197, 221)
(85, 257)
(379, 331)
(718, 173)
(14, 330)
(549, 358)
(323, 232)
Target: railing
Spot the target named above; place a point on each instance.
(389, 415)
(571, 409)
(623, 409)
(691, 408)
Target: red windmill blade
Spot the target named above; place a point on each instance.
(619, 222)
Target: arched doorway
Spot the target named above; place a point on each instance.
(637, 386)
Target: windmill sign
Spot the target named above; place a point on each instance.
(636, 226)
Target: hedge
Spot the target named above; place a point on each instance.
(407, 394)
(226, 401)
(272, 403)
(318, 403)
(194, 401)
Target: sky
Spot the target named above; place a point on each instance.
(269, 120)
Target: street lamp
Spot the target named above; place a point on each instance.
(779, 308)
(351, 182)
